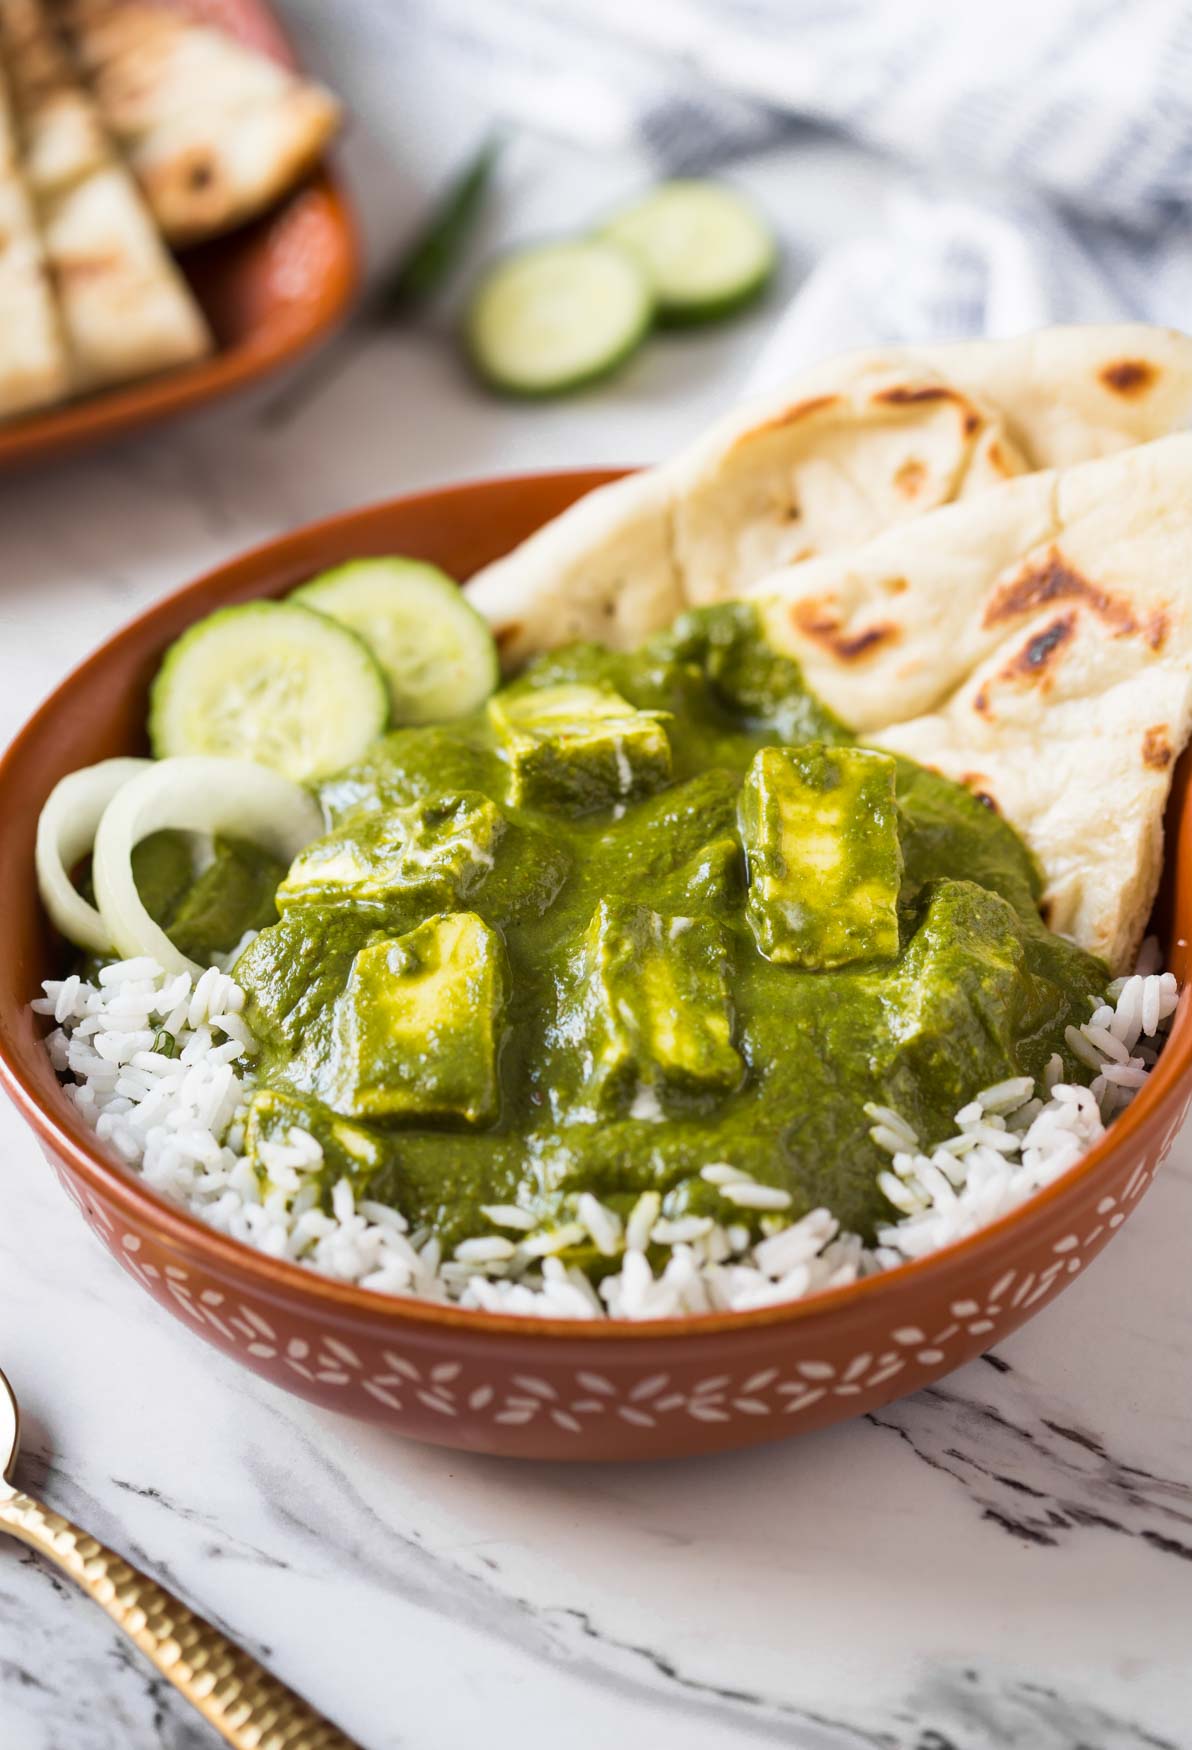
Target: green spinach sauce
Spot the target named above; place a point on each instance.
(607, 1020)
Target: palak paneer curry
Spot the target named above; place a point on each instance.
(640, 913)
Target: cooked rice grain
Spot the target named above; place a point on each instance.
(161, 1066)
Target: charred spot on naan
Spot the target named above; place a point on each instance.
(1044, 582)
(788, 416)
(1130, 378)
(910, 477)
(78, 268)
(999, 461)
(818, 619)
(911, 395)
(1037, 655)
(1157, 751)
(1035, 663)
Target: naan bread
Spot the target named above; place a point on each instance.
(214, 131)
(60, 138)
(1035, 644)
(865, 442)
(604, 569)
(855, 446)
(124, 308)
(33, 369)
(32, 356)
(1070, 394)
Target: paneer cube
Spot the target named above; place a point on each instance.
(427, 856)
(962, 1005)
(649, 1011)
(278, 1136)
(820, 829)
(578, 747)
(420, 1026)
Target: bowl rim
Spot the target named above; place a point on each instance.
(65, 1133)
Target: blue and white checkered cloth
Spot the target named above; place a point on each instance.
(1044, 147)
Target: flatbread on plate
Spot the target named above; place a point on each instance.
(33, 367)
(1035, 644)
(852, 447)
(124, 308)
(214, 131)
(59, 133)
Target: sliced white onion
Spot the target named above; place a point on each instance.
(66, 831)
(192, 793)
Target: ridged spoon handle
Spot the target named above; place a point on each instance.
(251, 1709)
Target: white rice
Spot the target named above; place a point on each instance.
(160, 1066)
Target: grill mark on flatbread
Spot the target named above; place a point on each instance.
(910, 394)
(1157, 628)
(819, 620)
(788, 416)
(1131, 378)
(1033, 663)
(1037, 654)
(1157, 750)
(998, 459)
(1053, 580)
(910, 476)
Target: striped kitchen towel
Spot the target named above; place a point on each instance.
(1040, 150)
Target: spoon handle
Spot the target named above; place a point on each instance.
(251, 1709)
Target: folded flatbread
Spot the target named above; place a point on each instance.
(124, 308)
(854, 446)
(33, 365)
(1035, 644)
(214, 131)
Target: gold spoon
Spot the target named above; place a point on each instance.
(250, 1709)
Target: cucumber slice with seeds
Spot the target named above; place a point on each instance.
(557, 316)
(272, 682)
(435, 650)
(703, 248)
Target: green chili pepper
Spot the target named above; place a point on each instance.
(427, 262)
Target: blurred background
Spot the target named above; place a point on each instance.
(930, 170)
(926, 169)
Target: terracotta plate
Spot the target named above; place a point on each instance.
(270, 291)
(505, 1385)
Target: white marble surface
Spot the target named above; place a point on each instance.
(1004, 1560)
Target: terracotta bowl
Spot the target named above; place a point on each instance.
(506, 1385)
(270, 291)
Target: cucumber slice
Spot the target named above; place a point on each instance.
(704, 249)
(271, 682)
(435, 650)
(558, 315)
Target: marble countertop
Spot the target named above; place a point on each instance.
(1005, 1559)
